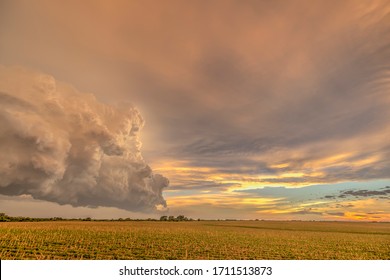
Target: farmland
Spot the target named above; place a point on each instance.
(194, 240)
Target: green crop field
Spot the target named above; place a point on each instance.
(194, 240)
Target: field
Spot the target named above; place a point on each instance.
(194, 240)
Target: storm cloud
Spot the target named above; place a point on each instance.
(61, 145)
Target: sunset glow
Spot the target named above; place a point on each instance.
(213, 110)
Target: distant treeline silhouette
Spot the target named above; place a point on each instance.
(6, 218)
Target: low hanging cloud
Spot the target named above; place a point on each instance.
(60, 145)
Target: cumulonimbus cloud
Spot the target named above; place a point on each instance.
(64, 146)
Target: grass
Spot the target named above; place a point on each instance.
(194, 240)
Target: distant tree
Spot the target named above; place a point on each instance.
(4, 217)
(180, 218)
(164, 218)
(171, 218)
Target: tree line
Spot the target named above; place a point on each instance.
(5, 218)
(176, 219)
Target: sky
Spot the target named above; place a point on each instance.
(209, 109)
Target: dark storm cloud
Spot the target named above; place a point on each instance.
(60, 145)
(366, 193)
